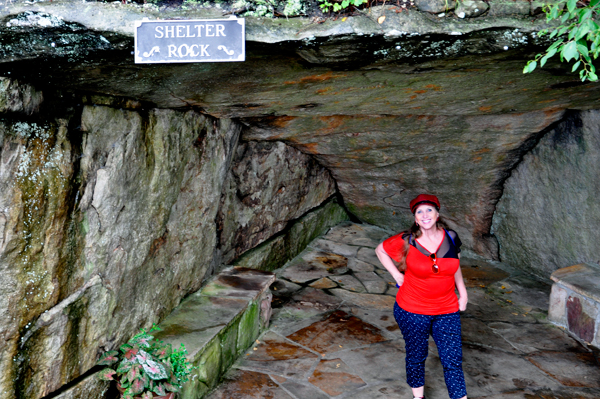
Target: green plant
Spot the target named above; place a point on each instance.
(577, 37)
(336, 6)
(145, 367)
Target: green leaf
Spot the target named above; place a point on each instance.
(583, 50)
(171, 387)
(555, 45)
(582, 31)
(159, 389)
(543, 60)
(575, 66)
(124, 367)
(594, 2)
(593, 77)
(147, 395)
(107, 374)
(569, 51)
(108, 358)
(585, 14)
(134, 372)
(530, 67)
(137, 386)
(125, 347)
(571, 5)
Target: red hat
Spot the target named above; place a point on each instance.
(424, 198)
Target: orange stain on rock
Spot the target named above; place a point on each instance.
(332, 122)
(547, 101)
(485, 108)
(434, 87)
(310, 147)
(315, 78)
(323, 91)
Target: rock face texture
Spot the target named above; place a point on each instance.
(123, 187)
(107, 219)
(268, 185)
(381, 163)
(415, 104)
(96, 253)
(548, 215)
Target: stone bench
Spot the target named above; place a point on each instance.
(575, 301)
(218, 323)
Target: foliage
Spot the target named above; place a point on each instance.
(577, 37)
(269, 8)
(337, 5)
(145, 367)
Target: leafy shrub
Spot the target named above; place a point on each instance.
(145, 367)
(336, 5)
(577, 37)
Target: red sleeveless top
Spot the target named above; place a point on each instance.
(423, 291)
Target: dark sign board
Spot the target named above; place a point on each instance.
(202, 40)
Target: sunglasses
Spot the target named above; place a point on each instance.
(434, 268)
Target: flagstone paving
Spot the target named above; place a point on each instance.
(333, 334)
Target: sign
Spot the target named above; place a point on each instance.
(202, 40)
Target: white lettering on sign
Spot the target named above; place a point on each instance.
(162, 32)
(184, 50)
(208, 40)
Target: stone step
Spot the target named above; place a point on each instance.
(218, 323)
(575, 301)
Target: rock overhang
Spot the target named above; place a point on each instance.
(354, 93)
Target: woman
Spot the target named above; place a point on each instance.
(426, 303)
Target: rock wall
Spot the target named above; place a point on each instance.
(381, 162)
(268, 185)
(108, 220)
(548, 215)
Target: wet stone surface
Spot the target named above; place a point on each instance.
(329, 339)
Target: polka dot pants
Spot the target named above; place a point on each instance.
(445, 329)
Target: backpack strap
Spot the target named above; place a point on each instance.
(451, 239)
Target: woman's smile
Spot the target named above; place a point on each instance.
(426, 215)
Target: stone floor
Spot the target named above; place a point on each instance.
(333, 335)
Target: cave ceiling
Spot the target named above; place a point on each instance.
(416, 104)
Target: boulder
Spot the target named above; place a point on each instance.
(471, 8)
(548, 215)
(503, 8)
(435, 6)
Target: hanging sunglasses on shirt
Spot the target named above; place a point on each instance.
(434, 268)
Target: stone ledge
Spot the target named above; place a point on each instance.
(582, 278)
(575, 301)
(218, 323)
(120, 19)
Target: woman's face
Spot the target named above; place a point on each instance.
(426, 215)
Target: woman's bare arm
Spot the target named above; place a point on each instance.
(463, 298)
(388, 263)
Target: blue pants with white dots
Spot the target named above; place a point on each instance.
(445, 329)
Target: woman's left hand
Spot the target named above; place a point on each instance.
(462, 302)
